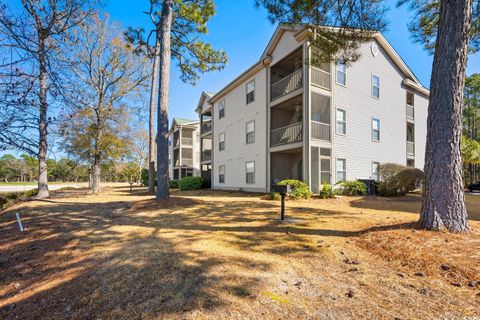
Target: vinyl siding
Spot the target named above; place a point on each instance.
(237, 152)
(356, 98)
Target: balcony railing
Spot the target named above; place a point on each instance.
(288, 134)
(187, 162)
(286, 85)
(410, 112)
(206, 155)
(320, 78)
(187, 141)
(410, 148)
(320, 131)
(206, 126)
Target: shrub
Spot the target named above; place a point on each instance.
(398, 180)
(173, 184)
(144, 177)
(352, 188)
(273, 196)
(326, 192)
(7, 199)
(300, 189)
(190, 183)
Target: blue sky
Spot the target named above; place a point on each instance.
(243, 32)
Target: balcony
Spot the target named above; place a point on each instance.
(288, 134)
(320, 131)
(187, 162)
(206, 155)
(187, 141)
(410, 112)
(286, 85)
(410, 148)
(320, 78)
(206, 127)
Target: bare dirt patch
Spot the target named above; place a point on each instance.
(222, 255)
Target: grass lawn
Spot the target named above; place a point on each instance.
(29, 183)
(221, 255)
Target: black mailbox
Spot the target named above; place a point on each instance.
(283, 190)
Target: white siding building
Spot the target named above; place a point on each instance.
(184, 148)
(285, 118)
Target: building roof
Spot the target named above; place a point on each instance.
(301, 30)
(182, 121)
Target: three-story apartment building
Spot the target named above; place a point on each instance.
(183, 148)
(288, 118)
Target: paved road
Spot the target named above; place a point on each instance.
(19, 188)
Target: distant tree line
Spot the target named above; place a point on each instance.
(25, 169)
(471, 130)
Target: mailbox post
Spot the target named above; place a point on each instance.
(283, 190)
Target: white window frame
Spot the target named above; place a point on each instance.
(221, 109)
(373, 86)
(344, 121)
(337, 160)
(337, 70)
(220, 174)
(247, 132)
(247, 92)
(406, 97)
(376, 175)
(246, 172)
(220, 140)
(379, 129)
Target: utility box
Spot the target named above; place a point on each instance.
(370, 186)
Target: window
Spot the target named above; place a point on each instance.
(375, 170)
(410, 98)
(375, 129)
(221, 174)
(411, 163)
(341, 170)
(221, 141)
(250, 132)
(341, 122)
(221, 109)
(376, 86)
(341, 73)
(250, 91)
(250, 171)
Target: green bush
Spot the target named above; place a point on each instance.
(398, 180)
(173, 184)
(326, 192)
(300, 189)
(144, 177)
(352, 188)
(273, 196)
(7, 199)
(190, 183)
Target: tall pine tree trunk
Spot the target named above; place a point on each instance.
(443, 204)
(164, 87)
(151, 124)
(42, 125)
(96, 174)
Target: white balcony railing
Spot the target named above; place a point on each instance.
(320, 78)
(187, 162)
(410, 112)
(187, 141)
(410, 148)
(286, 85)
(288, 134)
(320, 131)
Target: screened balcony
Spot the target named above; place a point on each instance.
(410, 139)
(286, 76)
(286, 122)
(320, 117)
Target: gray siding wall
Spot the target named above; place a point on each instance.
(357, 146)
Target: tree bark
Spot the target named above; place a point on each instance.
(151, 124)
(42, 124)
(164, 87)
(443, 204)
(96, 174)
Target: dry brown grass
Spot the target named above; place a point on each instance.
(222, 255)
